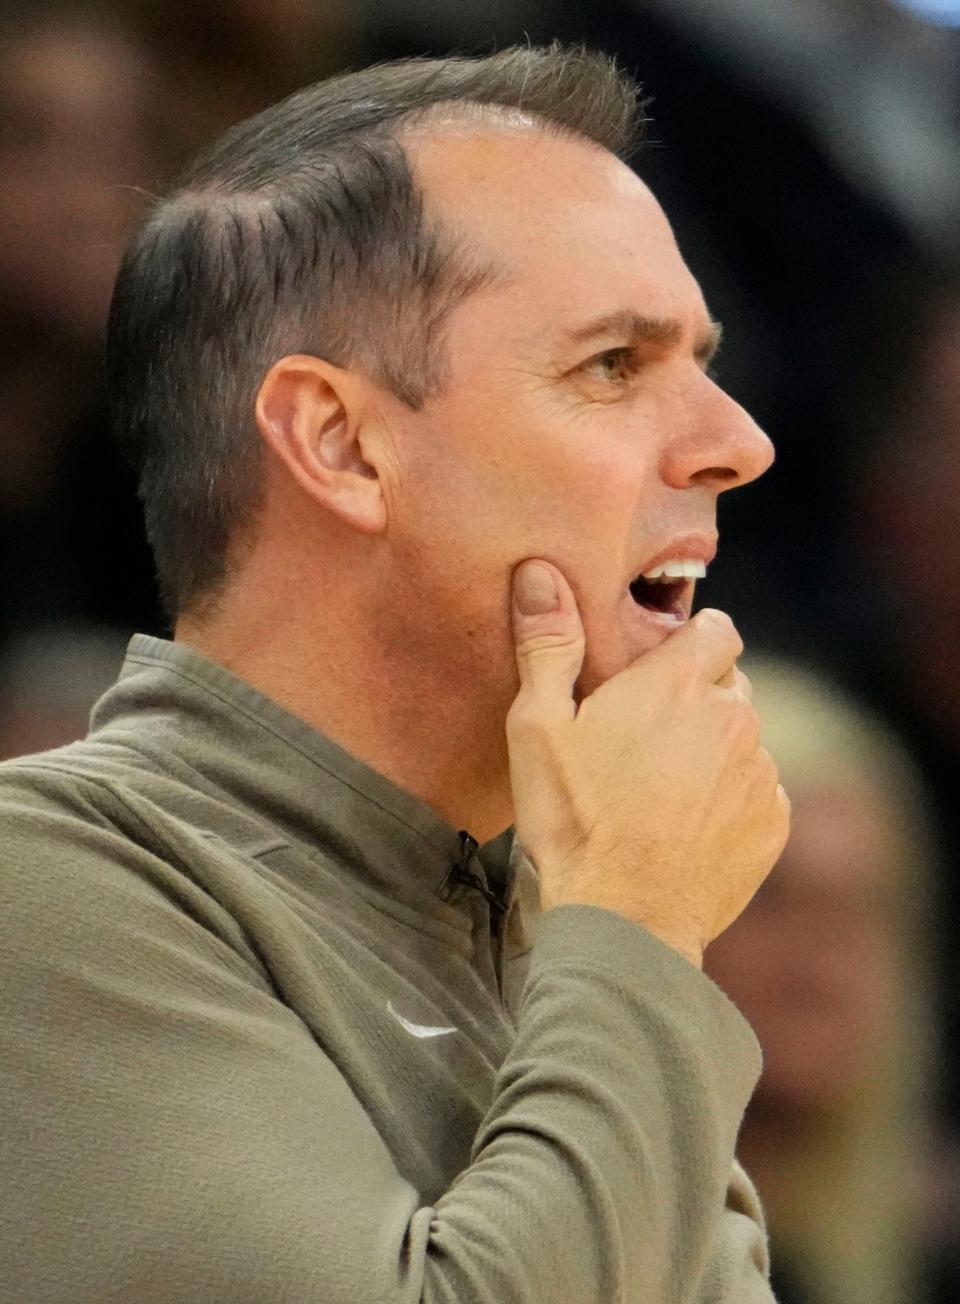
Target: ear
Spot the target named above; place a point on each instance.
(310, 414)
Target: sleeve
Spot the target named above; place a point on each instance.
(170, 1131)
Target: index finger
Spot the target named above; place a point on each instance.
(706, 648)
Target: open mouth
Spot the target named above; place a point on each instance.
(663, 596)
(665, 588)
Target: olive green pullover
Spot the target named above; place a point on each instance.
(258, 1045)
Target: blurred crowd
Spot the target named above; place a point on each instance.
(808, 153)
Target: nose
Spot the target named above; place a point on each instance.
(721, 448)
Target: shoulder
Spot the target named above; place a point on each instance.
(47, 811)
(92, 875)
(52, 813)
(78, 850)
(60, 840)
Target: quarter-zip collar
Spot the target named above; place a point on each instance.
(182, 711)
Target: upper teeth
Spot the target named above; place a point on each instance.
(677, 568)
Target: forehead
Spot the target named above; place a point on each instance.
(577, 233)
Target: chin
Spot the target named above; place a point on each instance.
(613, 650)
(596, 671)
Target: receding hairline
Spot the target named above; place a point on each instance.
(217, 198)
(223, 203)
(480, 114)
(478, 117)
(407, 130)
(311, 227)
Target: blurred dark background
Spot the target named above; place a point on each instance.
(808, 153)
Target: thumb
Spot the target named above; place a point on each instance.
(547, 633)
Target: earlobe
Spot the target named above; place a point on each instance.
(310, 415)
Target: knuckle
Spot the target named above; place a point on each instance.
(719, 621)
(529, 721)
(742, 725)
(767, 776)
(750, 735)
(785, 806)
(523, 718)
(561, 644)
(768, 766)
(716, 629)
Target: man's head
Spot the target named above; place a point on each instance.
(425, 319)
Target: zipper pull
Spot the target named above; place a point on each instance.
(458, 873)
(468, 845)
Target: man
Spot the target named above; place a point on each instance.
(414, 373)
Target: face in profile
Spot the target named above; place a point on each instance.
(810, 963)
(579, 423)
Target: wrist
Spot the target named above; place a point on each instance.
(689, 949)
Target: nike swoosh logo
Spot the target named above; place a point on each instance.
(419, 1029)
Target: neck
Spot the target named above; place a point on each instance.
(371, 686)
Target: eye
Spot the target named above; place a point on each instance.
(616, 365)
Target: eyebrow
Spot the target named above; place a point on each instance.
(634, 328)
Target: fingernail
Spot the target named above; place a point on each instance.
(534, 589)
